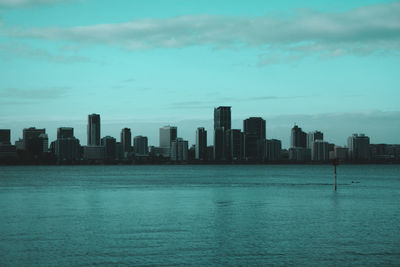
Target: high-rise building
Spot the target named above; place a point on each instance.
(298, 137)
(93, 130)
(222, 123)
(254, 138)
(319, 150)
(35, 141)
(5, 137)
(140, 145)
(65, 132)
(273, 150)
(66, 147)
(313, 136)
(358, 147)
(179, 150)
(109, 144)
(167, 135)
(201, 144)
(126, 140)
(234, 139)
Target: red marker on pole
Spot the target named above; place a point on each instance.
(335, 162)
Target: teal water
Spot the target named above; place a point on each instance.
(199, 215)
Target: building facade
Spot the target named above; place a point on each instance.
(93, 130)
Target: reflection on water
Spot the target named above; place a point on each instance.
(199, 215)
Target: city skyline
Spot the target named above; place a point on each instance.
(337, 63)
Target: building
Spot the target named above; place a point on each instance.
(140, 145)
(35, 141)
(179, 150)
(67, 147)
(319, 150)
(93, 130)
(273, 150)
(126, 141)
(358, 147)
(201, 144)
(167, 135)
(65, 132)
(340, 153)
(254, 131)
(5, 137)
(219, 144)
(109, 144)
(298, 137)
(234, 138)
(93, 153)
(222, 123)
(313, 136)
(299, 154)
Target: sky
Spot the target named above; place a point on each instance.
(332, 66)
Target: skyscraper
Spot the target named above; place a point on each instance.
(35, 141)
(5, 136)
(126, 139)
(93, 130)
(234, 137)
(65, 132)
(167, 135)
(358, 147)
(179, 150)
(201, 144)
(140, 145)
(273, 150)
(109, 144)
(313, 136)
(222, 123)
(254, 138)
(298, 137)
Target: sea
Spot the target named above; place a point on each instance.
(200, 215)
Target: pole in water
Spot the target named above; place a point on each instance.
(335, 162)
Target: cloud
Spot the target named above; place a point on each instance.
(19, 3)
(362, 31)
(37, 53)
(12, 94)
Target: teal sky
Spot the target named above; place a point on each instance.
(330, 66)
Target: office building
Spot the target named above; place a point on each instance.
(140, 146)
(167, 135)
(65, 132)
(93, 130)
(67, 147)
(340, 153)
(298, 138)
(313, 136)
(35, 141)
(254, 131)
(299, 154)
(109, 144)
(94, 153)
(222, 123)
(358, 147)
(5, 137)
(234, 139)
(273, 150)
(126, 140)
(179, 150)
(201, 144)
(319, 151)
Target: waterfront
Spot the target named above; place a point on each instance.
(199, 215)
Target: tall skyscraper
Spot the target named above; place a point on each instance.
(179, 150)
(65, 132)
(5, 137)
(167, 135)
(93, 130)
(109, 144)
(35, 141)
(298, 138)
(234, 138)
(67, 147)
(254, 138)
(358, 147)
(201, 144)
(126, 139)
(319, 150)
(273, 150)
(313, 136)
(140, 145)
(222, 123)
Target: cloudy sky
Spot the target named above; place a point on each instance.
(325, 65)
